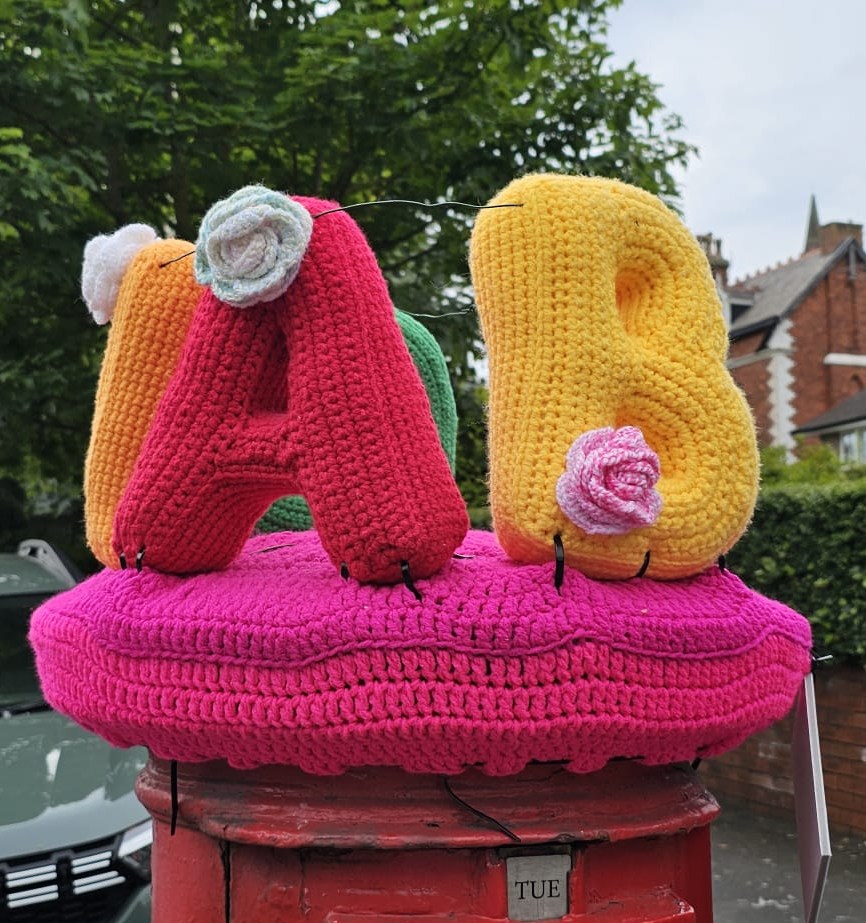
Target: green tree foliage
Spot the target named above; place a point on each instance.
(151, 110)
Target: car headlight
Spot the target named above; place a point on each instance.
(134, 849)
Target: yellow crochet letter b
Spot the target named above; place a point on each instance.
(615, 428)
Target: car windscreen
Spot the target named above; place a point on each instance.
(18, 681)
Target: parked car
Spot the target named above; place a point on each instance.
(74, 840)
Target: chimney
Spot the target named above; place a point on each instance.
(831, 235)
(712, 247)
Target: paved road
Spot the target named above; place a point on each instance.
(756, 873)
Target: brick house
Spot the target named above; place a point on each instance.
(798, 339)
(798, 350)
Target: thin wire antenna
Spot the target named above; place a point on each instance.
(444, 314)
(183, 256)
(345, 208)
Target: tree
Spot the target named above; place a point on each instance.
(151, 110)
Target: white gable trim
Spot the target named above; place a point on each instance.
(781, 372)
(854, 359)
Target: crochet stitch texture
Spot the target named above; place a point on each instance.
(293, 514)
(277, 660)
(598, 310)
(608, 487)
(155, 302)
(606, 354)
(106, 259)
(155, 291)
(312, 393)
(250, 245)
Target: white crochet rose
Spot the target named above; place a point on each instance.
(106, 259)
(250, 245)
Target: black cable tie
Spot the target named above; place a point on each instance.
(139, 560)
(644, 567)
(407, 579)
(122, 558)
(344, 570)
(559, 555)
(696, 762)
(463, 557)
(491, 820)
(723, 563)
(174, 800)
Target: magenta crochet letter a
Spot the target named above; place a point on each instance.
(314, 393)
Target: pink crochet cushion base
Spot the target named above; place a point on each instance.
(276, 659)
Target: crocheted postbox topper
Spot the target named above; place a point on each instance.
(615, 428)
(310, 392)
(615, 432)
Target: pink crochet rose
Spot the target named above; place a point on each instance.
(608, 487)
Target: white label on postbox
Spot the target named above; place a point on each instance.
(538, 886)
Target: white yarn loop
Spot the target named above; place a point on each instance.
(106, 259)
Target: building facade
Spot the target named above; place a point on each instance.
(798, 339)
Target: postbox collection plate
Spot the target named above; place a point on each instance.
(538, 886)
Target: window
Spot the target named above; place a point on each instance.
(852, 446)
(849, 447)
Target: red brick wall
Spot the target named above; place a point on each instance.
(758, 774)
(832, 319)
(754, 380)
(746, 346)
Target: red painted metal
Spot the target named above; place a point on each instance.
(276, 844)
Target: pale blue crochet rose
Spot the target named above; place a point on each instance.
(250, 245)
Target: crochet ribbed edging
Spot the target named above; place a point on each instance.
(326, 675)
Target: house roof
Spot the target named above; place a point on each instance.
(848, 411)
(777, 291)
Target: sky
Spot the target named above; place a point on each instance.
(772, 92)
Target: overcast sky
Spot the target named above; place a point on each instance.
(772, 91)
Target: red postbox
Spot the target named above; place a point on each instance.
(629, 843)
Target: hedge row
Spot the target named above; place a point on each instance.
(807, 547)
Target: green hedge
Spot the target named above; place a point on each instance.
(807, 548)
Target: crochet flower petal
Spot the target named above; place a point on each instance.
(250, 245)
(608, 487)
(106, 259)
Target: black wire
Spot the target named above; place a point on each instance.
(174, 799)
(345, 208)
(183, 256)
(559, 554)
(407, 579)
(492, 820)
(644, 567)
